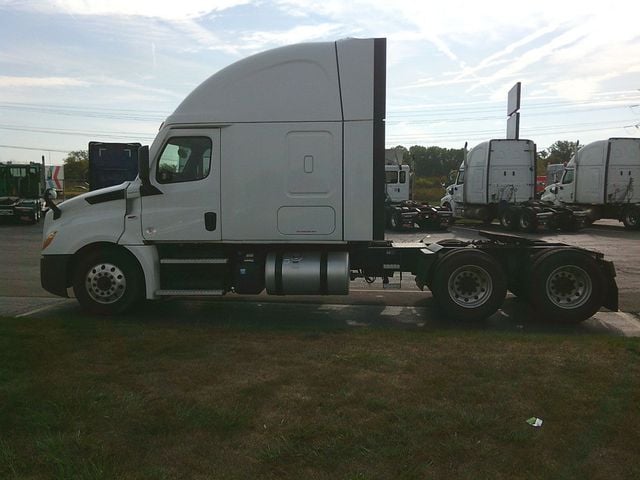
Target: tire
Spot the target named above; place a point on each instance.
(553, 223)
(395, 221)
(566, 286)
(468, 285)
(507, 219)
(108, 282)
(485, 217)
(631, 218)
(527, 221)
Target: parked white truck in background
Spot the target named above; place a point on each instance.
(401, 210)
(270, 175)
(497, 179)
(600, 179)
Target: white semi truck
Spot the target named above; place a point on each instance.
(497, 179)
(600, 179)
(401, 211)
(270, 175)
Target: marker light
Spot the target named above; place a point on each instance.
(49, 239)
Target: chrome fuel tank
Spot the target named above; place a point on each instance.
(307, 273)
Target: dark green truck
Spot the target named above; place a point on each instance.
(21, 191)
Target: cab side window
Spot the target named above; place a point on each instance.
(391, 176)
(184, 159)
(460, 179)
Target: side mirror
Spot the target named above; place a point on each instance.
(554, 190)
(143, 164)
(50, 195)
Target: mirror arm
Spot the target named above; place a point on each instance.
(48, 201)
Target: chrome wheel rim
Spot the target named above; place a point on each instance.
(105, 283)
(569, 287)
(470, 286)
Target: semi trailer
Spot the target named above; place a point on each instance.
(401, 211)
(497, 180)
(112, 163)
(600, 180)
(270, 176)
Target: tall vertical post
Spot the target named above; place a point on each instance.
(513, 105)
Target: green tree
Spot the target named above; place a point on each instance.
(559, 152)
(76, 166)
(434, 161)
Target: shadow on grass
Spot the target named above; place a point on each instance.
(303, 315)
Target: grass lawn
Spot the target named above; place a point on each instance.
(105, 398)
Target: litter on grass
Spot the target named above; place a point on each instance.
(535, 421)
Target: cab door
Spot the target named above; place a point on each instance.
(184, 204)
(566, 187)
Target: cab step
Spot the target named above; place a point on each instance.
(190, 293)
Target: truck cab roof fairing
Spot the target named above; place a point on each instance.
(297, 83)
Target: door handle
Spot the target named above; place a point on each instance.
(210, 220)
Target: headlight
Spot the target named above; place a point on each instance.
(49, 239)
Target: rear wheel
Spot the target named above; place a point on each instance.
(468, 285)
(527, 220)
(108, 282)
(631, 218)
(566, 286)
(507, 219)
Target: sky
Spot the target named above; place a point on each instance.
(74, 71)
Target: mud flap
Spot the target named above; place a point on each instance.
(611, 295)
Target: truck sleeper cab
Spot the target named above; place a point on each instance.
(270, 176)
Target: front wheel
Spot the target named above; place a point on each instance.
(468, 285)
(566, 286)
(108, 282)
(396, 221)
(631, 218)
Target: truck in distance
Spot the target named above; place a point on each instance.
(401, 211)
(497, 180)
(600, 179)
(21, 191)
(270, 176)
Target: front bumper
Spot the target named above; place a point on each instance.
(54, 274)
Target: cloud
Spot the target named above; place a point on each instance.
(185, 9)
(9, 81)
(301, 33)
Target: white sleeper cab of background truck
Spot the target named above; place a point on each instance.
(600, 179)
(270, 175)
